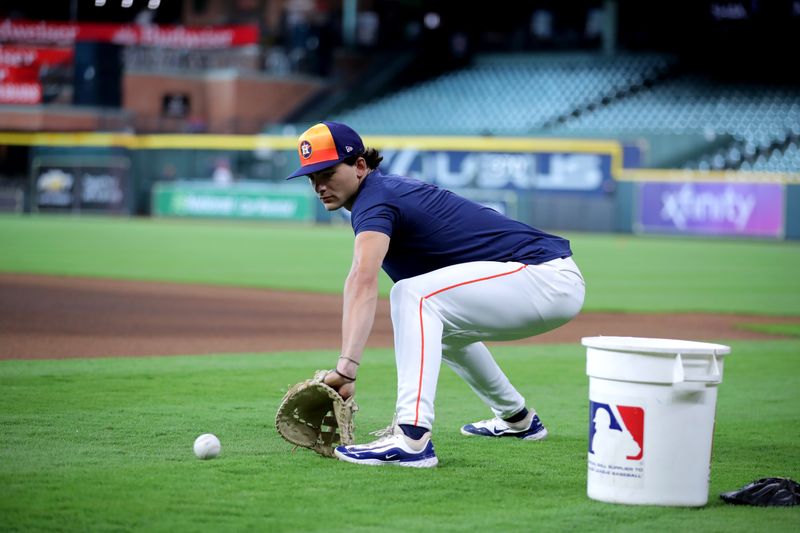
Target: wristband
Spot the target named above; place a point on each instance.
(352, 380)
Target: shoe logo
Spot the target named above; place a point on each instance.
(497, 430)
(392, 456)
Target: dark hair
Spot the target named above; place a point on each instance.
(370, 155)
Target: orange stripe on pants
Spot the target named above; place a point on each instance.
(422, 327)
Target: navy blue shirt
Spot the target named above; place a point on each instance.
(431, 228)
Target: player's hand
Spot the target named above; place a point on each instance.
(346, 388)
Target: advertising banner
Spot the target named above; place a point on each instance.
(19, 72)
(546, 171)
(712, 208)
(29, 31)
(20, 92)
(96, 184)
(54, 188)
(21, 57)
(237, 201)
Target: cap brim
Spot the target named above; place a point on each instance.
(310, 169)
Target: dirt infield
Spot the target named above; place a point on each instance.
(44, 317)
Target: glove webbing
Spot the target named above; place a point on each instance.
(329, 430)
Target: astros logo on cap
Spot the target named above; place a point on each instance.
(324, 145)
(305, 149)
(317, 146)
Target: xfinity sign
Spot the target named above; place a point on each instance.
(708, 208)
(687, 206)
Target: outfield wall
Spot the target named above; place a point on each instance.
(560, 184)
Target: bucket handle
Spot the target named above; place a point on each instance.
(679, 372)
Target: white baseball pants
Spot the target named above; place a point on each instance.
(445, 314)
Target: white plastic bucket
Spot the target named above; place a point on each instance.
(651, 419)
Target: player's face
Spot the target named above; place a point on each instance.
(337, 186)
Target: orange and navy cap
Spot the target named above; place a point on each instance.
(324, 145)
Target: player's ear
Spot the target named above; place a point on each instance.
(361, 167)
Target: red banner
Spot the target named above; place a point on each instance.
(20, 92)
(21, 57)
(8, 74)
(19, 71)
(65, 33)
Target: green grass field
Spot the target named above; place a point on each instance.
(105, 444)
(624, 273)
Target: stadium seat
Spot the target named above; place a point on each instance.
(593, 95)
(503, 94)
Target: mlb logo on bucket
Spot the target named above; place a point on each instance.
(616, 432)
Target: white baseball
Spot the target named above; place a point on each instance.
(207, 446)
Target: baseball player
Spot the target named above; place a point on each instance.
(463, 274)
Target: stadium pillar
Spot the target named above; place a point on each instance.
(610, 27)
(792, 220)
(349, 22)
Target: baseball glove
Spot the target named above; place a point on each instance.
(314, 416)
(766, 492)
